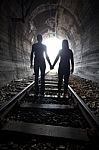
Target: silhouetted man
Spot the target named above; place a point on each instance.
(39, 63)
(66, 55)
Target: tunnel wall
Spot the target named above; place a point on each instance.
(89, 18)
(15, 46)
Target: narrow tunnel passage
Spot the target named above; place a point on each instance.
(21, 21)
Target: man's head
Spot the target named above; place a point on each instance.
(65, 44)
(39, 38)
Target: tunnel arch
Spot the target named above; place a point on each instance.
(49, 7)
(78, 30)
(81, 29)
(69, 31)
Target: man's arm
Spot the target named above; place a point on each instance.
(48, 58)
(72, 62)
(31, 57)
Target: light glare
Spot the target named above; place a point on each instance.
(53, 47)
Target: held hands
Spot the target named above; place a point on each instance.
(51, 67)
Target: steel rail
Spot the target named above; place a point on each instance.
(4, 109)
(90, 117)
(8, 105)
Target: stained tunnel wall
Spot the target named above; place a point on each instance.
(89, 18)
(15, 40)
(14, 45)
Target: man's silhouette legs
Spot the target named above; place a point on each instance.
(42, 79)
(36, 70)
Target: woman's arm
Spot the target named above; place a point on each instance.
(48, 58)
(56, 59)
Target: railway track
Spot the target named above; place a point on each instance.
(49, 117)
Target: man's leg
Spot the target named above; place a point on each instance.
(42, 80)
(36, 70)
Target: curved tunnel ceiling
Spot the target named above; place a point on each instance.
(57, 19)
(76, 20)
(61, 21)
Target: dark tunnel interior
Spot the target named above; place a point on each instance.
(46, 105)
(22, 20)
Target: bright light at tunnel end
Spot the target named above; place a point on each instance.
(53, 46)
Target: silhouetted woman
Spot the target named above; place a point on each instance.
(66, 56)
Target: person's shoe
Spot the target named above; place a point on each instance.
(58, 95)
(42, 95)
(36, 96)
(66, 96)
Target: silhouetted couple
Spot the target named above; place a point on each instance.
(65, 54)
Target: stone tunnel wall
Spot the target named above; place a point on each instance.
(15, 47)
(89, 17)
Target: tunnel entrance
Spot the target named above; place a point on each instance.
(21, 21)
(53, 44)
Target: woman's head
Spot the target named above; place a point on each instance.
(65, 44)
(39, 38)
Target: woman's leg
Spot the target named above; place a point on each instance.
(66, 79)
(60, 80)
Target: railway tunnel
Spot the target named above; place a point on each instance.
(49, 121)
(22, 20)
